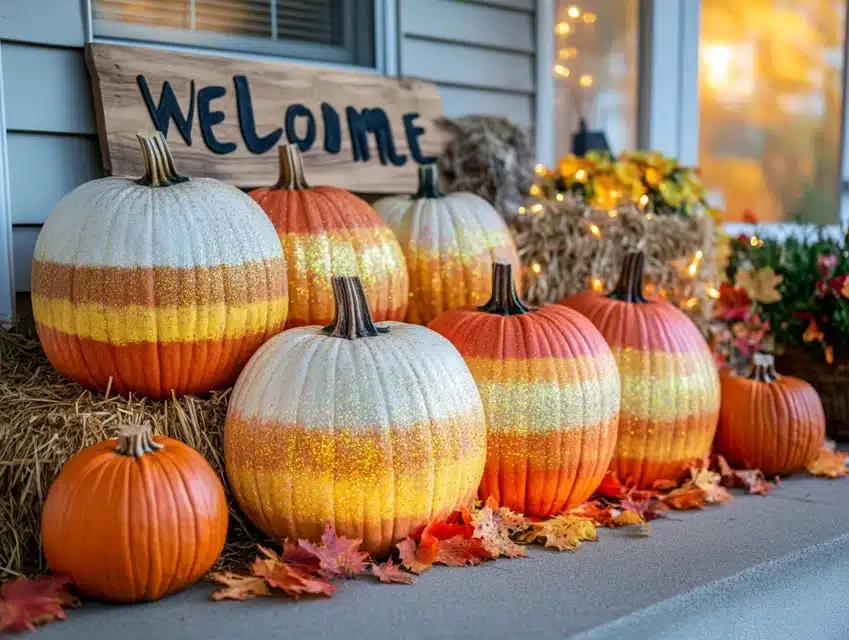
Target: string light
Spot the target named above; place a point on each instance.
(562, 71)
(699, 254)
(693, 268)
(691, 302)
(559, 197)
(595, 230)
(567, 52)
(597, 285)
(589, 17)
(537, 208)
(536, 268)
(521, 211)
(644, 200)
(613, 213)
(649, 216)
(535, 190)
(563, 28)
(754, 241)
(580, 175)
(573, 12)
(539, 169)
(713, 293)
(586, 80)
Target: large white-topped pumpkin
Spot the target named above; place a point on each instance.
(374, 430)
(160, 284)
(450, 243)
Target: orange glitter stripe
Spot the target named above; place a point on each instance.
(146, 286)
(151, 369)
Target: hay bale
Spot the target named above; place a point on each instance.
(488, 156)
(45, 419)
(558, 237)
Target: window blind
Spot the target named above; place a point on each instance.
(315, 21)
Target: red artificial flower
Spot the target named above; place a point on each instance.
(820, 288)
(827, 264)
(743, 239)
(838, 283)
(750, 216)
(734, 304)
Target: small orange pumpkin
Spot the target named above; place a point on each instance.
(327, 231)
(550, 390)
(134, 519)
(670, 387)
(768, 421)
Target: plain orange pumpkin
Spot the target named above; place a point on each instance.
(768, 421)
(134, 519)
(670, 387)
(550, 390)
(326, 232)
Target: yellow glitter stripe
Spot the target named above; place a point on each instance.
(470, 242)
(373, 252)
(322, 496)
(133, 324)
(669, 398)
(637, 362)
(576, 369)
(546, 406)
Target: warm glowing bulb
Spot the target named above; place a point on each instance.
(535, 267)
(561, 71)
(754, 241)
(539, 169)
(595, 230)
(613, 213)
(649, 216)
(521, 210)
(713, 293)
(691, 302)
(692, 269)
(563, 28)
(537, 208)
(535, 190)
(597, 285)
(559, 197)
(699, 254)
(580, 175)
(573, 12)
(589, 17)
(644, 200)
(586, 80)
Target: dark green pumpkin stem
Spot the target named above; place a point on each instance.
(504, 301)
(353, 316)
(159, 170)
(428, 183)
(630, 285)
(291, 168)
(763, 368)
(136, 440)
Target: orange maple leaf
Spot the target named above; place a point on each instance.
(564, 532)
(238, 586)
(664, 485)
(829, 463)
(686, 498)
(291, 579)
(601, 514)
(25, 603)
(494, 526)
(389, 572)
(629, 518)
(709, 482)
(459, 551)
(411, 559)
(338, 557)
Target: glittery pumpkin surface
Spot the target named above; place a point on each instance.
(450, 244)
(550, 390)
(158, 289)
(329, 232)
(375, 435)
(669, 383)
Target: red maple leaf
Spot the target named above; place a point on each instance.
(459, 551)
(295, 554)
(389, 572)
(752, 480)
(338, 557)
(291, 579)
(25, 603)
(610, 487)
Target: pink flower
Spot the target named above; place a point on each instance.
(827, 264)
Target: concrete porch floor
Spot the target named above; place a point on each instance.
(761, 567)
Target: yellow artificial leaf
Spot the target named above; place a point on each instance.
(563, 532)
(760, 285)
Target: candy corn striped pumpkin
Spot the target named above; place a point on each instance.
(450, 242)
(670, 387)
(550, 390)
(326, 232)
(373, 430)
(159, 285)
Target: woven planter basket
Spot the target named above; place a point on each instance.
(830, 380)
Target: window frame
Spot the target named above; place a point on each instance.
(360, 48)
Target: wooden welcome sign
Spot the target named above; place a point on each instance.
(224, 118)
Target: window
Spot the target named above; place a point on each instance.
(340, 31)
(770, 101)
(595, 70)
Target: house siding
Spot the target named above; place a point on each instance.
(480, 54)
